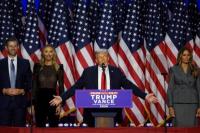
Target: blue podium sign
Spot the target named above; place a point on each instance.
(103, 99)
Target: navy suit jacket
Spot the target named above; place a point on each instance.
(89, 80)
(23, 81)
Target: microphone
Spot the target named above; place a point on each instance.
(164, 74)
(103, 66)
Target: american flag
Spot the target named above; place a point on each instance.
(131, 57)
(83, 55)
(156, 62)
(83, 48)
(30, 47)
(196, 27)
(6, 24)
(179, 32)
(94, 18)
(19, 19)
(106, 37)
(197, 43)
(120, 17)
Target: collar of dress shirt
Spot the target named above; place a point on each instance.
(10, 58)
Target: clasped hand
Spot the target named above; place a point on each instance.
(13, 91)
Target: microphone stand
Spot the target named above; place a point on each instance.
(31, 111)
(31, 122)
(164, 74)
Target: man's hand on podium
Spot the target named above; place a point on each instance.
(151, 98)
(56, 101)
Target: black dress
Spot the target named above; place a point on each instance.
(44, 87)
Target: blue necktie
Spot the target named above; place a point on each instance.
(12, 74)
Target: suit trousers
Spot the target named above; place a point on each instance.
(13, 115)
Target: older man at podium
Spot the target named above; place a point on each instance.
(103, 77)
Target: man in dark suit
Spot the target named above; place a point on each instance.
(102, 76)
(15, 81)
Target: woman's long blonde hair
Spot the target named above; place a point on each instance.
(192, 65)
(54, 63)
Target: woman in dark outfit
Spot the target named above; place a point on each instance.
(47, 74)
(184, 91)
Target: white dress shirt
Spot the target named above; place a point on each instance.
(15, 64)
(107, 77)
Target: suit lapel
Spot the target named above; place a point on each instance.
(18, 70)
(7, 76)
(185, 76)
(96, 77)
(111, 75)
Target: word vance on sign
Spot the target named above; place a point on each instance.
(103, 99)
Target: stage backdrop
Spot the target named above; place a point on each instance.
(142, 37)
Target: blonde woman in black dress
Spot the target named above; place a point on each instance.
(47, 75)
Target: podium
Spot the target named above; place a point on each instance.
(104, 119)
(106, 99)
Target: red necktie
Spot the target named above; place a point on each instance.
(103, 81)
